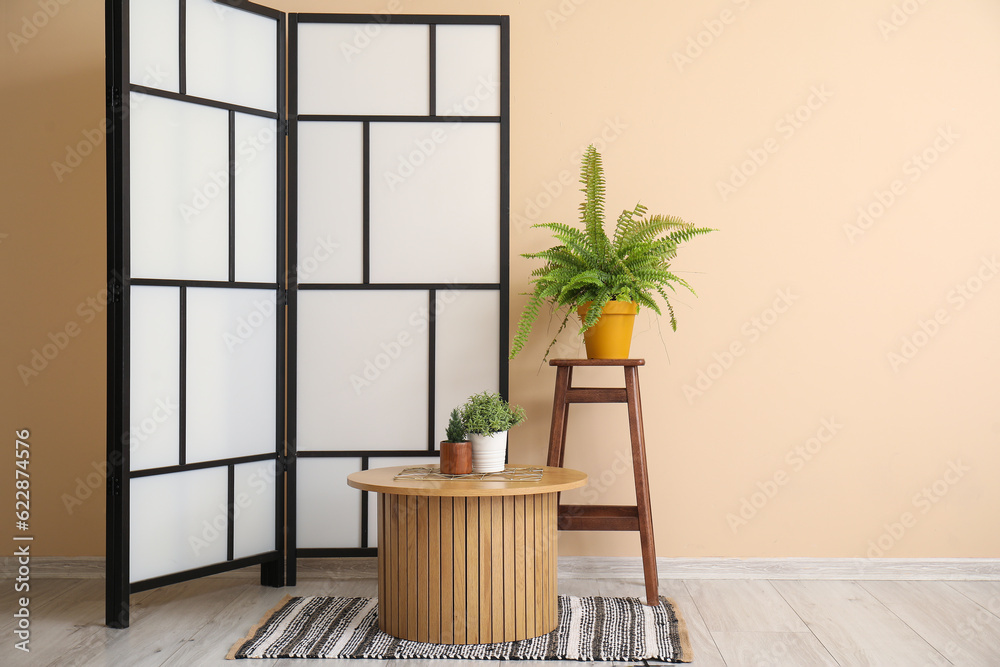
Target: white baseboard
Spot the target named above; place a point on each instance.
(915, 569)
(592, 567)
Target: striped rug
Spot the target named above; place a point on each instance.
(590, 629)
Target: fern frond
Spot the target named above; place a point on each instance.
(589, 266)
(592, 208)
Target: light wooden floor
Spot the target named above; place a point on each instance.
(732, 622)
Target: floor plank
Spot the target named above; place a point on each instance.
(706, 652)
(205, 647)
(61, 611)
(743, 606)
(43, 595)
(984, 593)
(960, 629)
(250, 606)
(855, 627)
(161, 621)
(731, 622)
(772, 649)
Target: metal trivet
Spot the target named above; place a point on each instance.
(509, 474)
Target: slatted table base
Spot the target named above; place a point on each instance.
(467, 570)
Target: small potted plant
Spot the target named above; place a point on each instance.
(456, 451)
(605, 279)
(486, 418)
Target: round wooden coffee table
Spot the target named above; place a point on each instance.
(467, 562)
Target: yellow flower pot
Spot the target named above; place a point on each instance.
(611, 336)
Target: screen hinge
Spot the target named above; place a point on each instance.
(114, 485)
(115, 291)
(115, 98)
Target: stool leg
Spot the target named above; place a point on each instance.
(560, 410)
(642, 486)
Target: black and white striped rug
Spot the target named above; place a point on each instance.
(590, 629)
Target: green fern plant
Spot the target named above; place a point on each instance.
(588, 265)
(455, 432)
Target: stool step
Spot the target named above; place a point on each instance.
(596, 395)
(598, 517)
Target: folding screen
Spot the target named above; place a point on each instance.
(196, 329)
(398, 199)
(396, 301)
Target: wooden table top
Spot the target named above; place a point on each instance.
(381, 480)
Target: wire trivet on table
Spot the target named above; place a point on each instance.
(509, 474)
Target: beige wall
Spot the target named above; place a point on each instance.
(672, 130)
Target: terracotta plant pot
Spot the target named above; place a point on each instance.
(611, 336)
(456, 458)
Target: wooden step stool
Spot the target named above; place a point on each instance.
(607, 517)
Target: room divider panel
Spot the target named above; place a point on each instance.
(394, 309)
(398, 146)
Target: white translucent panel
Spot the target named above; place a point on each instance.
(363, 68)
(330, 202)
(231, 55)
(256, 198)
(328, 512)
(389, 462)
(179, 197)
(435, 202)
(154, 377)
(177, 522)
(253, 508)
(231, 357)
(362, 370)
(467, 337)
(153, 44)
(468, 70)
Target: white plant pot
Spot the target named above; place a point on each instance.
(488, 452)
